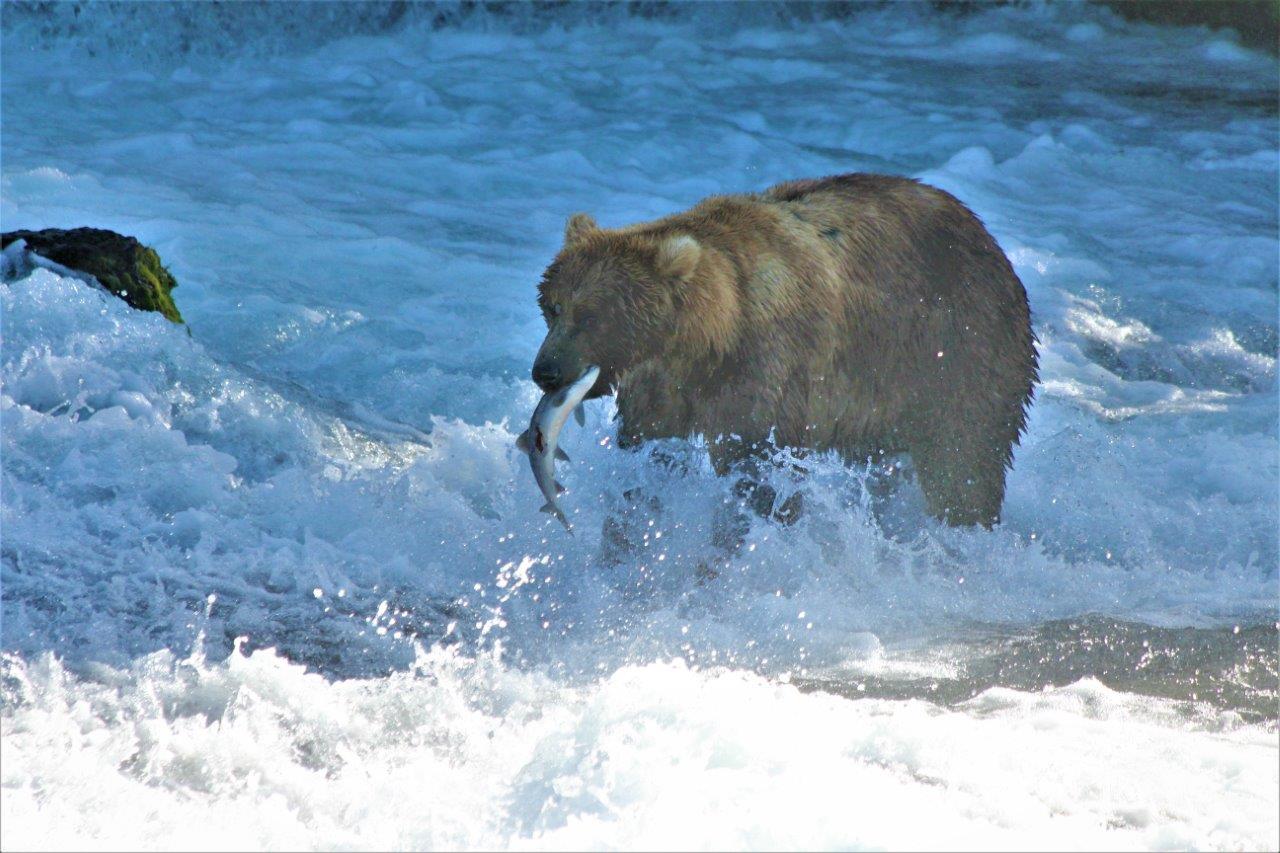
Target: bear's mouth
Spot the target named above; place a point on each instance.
(602, 388)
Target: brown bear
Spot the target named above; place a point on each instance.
(866, 314)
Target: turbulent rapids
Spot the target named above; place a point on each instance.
(279, 582)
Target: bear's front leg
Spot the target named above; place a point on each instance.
(746, 460)
(623, 529)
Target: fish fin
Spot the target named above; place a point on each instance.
(560, 490)
(522, 442)
(555, 510)
(561, 455)
(580, 414)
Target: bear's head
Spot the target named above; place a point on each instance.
(615, 299)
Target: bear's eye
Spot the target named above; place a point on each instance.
(556, 309)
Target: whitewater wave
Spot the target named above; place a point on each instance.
(255, 752)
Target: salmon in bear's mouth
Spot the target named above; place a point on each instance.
(603, 387)
(542, 438)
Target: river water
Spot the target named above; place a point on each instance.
(282, 581)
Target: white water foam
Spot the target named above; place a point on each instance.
(470, 754)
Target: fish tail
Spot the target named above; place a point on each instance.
(555, 510)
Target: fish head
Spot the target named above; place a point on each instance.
(610, 298)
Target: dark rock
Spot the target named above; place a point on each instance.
(121, 264)
(1256, 21)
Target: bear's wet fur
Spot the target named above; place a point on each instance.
(866, 314)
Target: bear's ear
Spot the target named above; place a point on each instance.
(678, 256)
(579, 226)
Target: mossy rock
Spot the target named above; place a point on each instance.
(121, 264)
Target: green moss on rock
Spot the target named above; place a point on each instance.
(121, 264)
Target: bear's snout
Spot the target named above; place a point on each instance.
(548, 375)
(559, 361)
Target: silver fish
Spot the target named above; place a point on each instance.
(541, 440)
